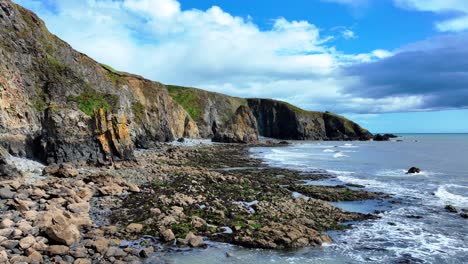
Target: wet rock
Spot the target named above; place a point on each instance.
(181, 140)
(134, 228)
(413, 170)
(229, 255)
(115, 252)
(192, 240)
(146, 252)
(451, 209)
(168, 235)
(464, 215)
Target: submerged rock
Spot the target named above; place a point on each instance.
(451, 209)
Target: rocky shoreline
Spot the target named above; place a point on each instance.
(172, 196)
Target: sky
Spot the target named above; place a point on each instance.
(394, 66)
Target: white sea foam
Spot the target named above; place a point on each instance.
(405, 237)
(448, 197)
(403, 173)
(339, 155)
(328, 150)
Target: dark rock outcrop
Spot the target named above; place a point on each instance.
(284, 121)
(413, 170)
(241, 128)
(384, 137)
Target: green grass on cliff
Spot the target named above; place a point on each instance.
(113, 74)
(187, 98)
(90, 100)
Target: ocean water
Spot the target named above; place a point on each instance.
(416, 229)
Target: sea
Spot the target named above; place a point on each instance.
(413, 225)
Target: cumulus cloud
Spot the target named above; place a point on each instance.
(433, 72)
(458, 9)
(212, 49)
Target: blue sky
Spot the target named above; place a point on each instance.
(391, 65)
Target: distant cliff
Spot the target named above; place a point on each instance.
(274, 118)
(59, 105)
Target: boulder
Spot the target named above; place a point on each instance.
(413, 170)
(167, 235)
(134, 228)
(62, 226)
(7, 171)
(192, 240)
(241, 128)
(451, 209)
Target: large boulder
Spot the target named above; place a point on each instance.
(7, 171)
(241, 128)
(62, 226)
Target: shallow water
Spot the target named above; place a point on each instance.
(417, 229)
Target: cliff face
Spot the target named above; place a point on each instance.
(49, 95)
(59, 105)
(275, 119)
(284, 121)
(211, 111)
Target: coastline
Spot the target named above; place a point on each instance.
(169, 198)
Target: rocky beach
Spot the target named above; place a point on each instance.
(169, 197)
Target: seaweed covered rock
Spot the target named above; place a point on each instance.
(241, 128)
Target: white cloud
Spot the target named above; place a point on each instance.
(348, 34)
(215, 50)
(459, 21)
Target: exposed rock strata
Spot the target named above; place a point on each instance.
(241, 128)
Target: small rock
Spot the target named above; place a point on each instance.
(101, 244)
(6, 193)
(27, 242)
(6, 223)
(229, 255)
(451, 209)
(115, 252)
(181, 140)
(57, 250)
(168, 235)
(192, 240)
(413, 170)
(9, 244)
(35, 257)
(146, 252)
(464, 215)
(134, 228)
(3, 256)
(82, 261)
(79, 207)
